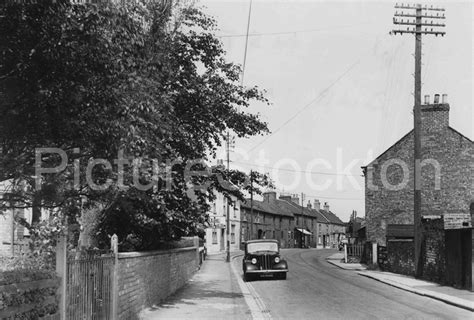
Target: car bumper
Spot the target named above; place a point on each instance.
(267, 271)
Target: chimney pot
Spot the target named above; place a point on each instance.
(427, 99)
(444, 98)
(326, 206)
(317, 204)
(436, 99)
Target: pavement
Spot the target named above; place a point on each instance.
(212, 293)
(337, 260)
(456, 297)
(217, 290)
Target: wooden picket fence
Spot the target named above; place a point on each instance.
(355, 250)
(88, 287)
(89, 284)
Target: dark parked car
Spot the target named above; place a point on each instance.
(262, 258)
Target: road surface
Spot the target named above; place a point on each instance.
(316, 289)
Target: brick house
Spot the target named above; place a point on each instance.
(286, 220)
(446, 192)
(270, 218)
(336, 229)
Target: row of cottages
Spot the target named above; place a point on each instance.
(447, 206)
(293, 225)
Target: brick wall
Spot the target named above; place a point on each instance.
(440, 144)
(401, 257)
(433, 252)
(145, 279)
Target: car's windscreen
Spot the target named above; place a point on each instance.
(262, 246)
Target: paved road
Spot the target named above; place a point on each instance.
(316, 289)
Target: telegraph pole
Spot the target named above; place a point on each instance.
(302, 219)
(251, 205)
(423, 18)
(228, 146)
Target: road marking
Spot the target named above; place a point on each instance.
(257, 307)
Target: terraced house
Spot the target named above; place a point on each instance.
(294, 225)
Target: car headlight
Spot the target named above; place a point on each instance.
(254, 260)
(277, 259)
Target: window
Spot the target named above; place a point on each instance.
(297, 221)
(214, 237)
(280, 223)
(319, 238)
(273, 233)
(235, 212)
(243, 236)
(232, 234)
(289, 235)
(214, 209)
(281, 234)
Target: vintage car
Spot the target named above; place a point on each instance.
(262, 258)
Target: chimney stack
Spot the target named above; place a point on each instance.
(295, 199)
(309, 204)
(269, 196)
(317, 204)
(326, 206)
(435, 116)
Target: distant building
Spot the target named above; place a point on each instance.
(295, 226)
(216, 235)
(447, 193)
(356, 230)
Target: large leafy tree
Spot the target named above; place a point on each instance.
(145, 80)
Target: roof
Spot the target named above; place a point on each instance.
(267, 207)
(290, 209)
(405, 137)
(331, 217)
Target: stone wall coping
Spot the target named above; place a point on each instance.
(136, 254)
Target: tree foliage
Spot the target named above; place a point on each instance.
(139, 78)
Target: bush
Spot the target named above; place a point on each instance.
(28, 296)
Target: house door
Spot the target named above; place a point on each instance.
(222, 239)
(459, 258)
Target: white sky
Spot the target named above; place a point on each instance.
(339, 83)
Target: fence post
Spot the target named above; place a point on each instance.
(345, 252)
(114, 304)
(61, 271)
(374, 253)
(196, 245)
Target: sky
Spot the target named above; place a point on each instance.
(340, 86)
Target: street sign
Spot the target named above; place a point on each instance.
(457, 221)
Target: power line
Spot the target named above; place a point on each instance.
(302, 171)
(246, 43)
(258, 34)
(322, 197)
(317, 99)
